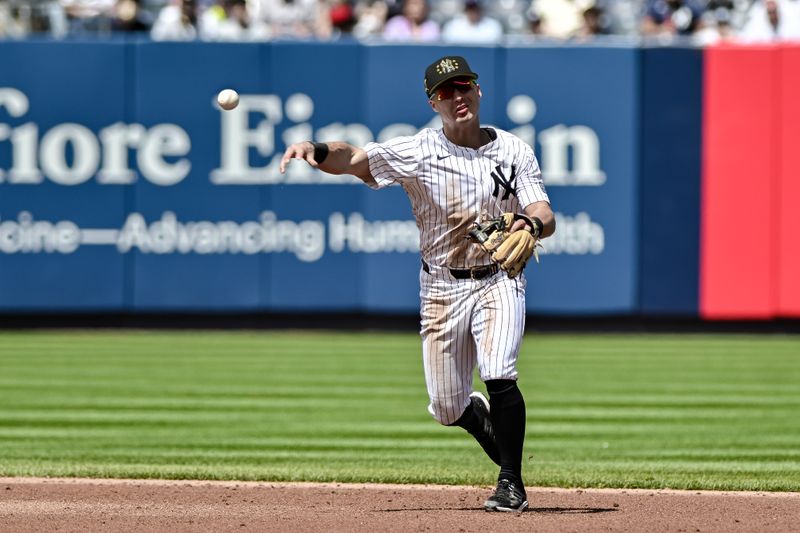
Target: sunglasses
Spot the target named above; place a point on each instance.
(447, 90)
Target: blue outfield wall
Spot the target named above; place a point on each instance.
(124, 188)
(587, 139)
(670, 181)
(78, 89)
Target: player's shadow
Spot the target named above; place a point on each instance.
(540, 510)
(571, 510)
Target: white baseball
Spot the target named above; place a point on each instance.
(228, 99)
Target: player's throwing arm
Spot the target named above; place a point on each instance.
(333, 158)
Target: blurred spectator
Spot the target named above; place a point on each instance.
(10, 24)
(129, 17)
(370, 17)
(716, 27)
(561, 19)
(342, 18)
(620, 17)
(534, 22)
(227, 20)
(442, 11)
(176, 22)
(510, 14)
(472, 26)
(672, 17)
(772, 20)
(334, 19)
(412, 24)
(593, 24)
(20, 17)
(393, 8)
(88, 16)
(287, 18)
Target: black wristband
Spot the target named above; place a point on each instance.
(320, 152)
(538, 226)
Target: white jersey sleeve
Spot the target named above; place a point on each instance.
(393, 161)
(530, 186)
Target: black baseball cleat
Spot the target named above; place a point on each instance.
(508, 497)
(485, 436)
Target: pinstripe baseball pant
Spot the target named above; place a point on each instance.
(464, 323)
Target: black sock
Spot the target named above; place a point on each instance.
(469, 420)
(507, 409)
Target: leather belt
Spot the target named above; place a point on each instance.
(478, 272)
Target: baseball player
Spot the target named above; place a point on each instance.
(481, 207)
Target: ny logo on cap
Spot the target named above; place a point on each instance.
(446, 65)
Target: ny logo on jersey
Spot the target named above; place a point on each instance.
(501, 181)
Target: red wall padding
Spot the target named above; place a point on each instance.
(738, 190)
(789, 185)
(750, 207)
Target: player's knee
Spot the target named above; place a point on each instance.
(444, 410)
(503, 393)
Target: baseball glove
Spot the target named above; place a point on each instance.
(510, 251)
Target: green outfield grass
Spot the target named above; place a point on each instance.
(680, 411)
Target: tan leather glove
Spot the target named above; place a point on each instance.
(510, 250)
(513, 254)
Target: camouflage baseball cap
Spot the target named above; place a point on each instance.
(444, 69)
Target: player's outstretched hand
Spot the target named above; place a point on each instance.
(303, 150)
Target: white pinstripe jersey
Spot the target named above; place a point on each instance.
(450, 186)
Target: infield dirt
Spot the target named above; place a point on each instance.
(35, 504)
